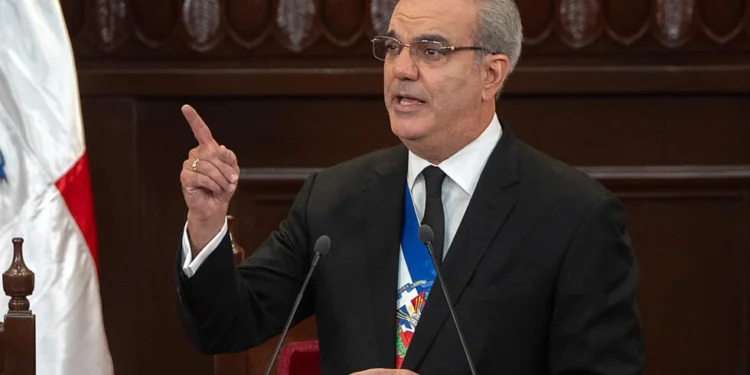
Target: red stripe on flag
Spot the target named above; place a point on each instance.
(75, 188)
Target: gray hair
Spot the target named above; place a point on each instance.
(499, 30)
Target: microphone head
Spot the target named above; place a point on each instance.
(426, 234)
(322, 245)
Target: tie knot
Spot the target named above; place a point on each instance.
(433, 179)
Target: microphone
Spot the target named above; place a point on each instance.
(426, 235)
(321, 248)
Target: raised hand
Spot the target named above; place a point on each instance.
(209, 178)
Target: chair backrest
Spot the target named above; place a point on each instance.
(237, 250)
(300, 358)
(18, 331)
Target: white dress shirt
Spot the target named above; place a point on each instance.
(463, 170)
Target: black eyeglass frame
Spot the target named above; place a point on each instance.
(439, 47)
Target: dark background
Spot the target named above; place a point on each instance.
(650, 96)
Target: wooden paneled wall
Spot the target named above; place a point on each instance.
(650, 96)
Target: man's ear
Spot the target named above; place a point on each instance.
(496, 69)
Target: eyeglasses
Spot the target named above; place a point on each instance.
(423, 51)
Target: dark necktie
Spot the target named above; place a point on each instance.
(433, 209)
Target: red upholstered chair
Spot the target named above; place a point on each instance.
(300, 358)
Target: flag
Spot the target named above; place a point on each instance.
(45, 194)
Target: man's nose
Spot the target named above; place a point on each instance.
(405, 68)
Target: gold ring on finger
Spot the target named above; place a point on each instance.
(194, 167)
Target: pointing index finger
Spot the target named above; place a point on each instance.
(200, 130)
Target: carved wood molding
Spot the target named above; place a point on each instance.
(670, 173)
(664, 173)
(203, 26)
(720, 182)
(368, 81)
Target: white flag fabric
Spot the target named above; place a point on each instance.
(45, 194)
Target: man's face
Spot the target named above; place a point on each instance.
(433, 101)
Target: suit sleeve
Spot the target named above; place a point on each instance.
(224, 308)
(595, 326)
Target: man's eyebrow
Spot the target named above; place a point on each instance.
(433, 38)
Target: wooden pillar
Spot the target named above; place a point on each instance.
(2, 348)
(19, 327)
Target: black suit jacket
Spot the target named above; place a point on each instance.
(541, 270)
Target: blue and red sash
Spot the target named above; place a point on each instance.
(412, 296)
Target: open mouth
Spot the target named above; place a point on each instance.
(407, 101)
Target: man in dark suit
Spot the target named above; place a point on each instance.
(534, 253)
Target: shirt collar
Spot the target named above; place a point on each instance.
(465, 166)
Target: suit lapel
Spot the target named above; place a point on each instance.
(384, 216)
(492, 202)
